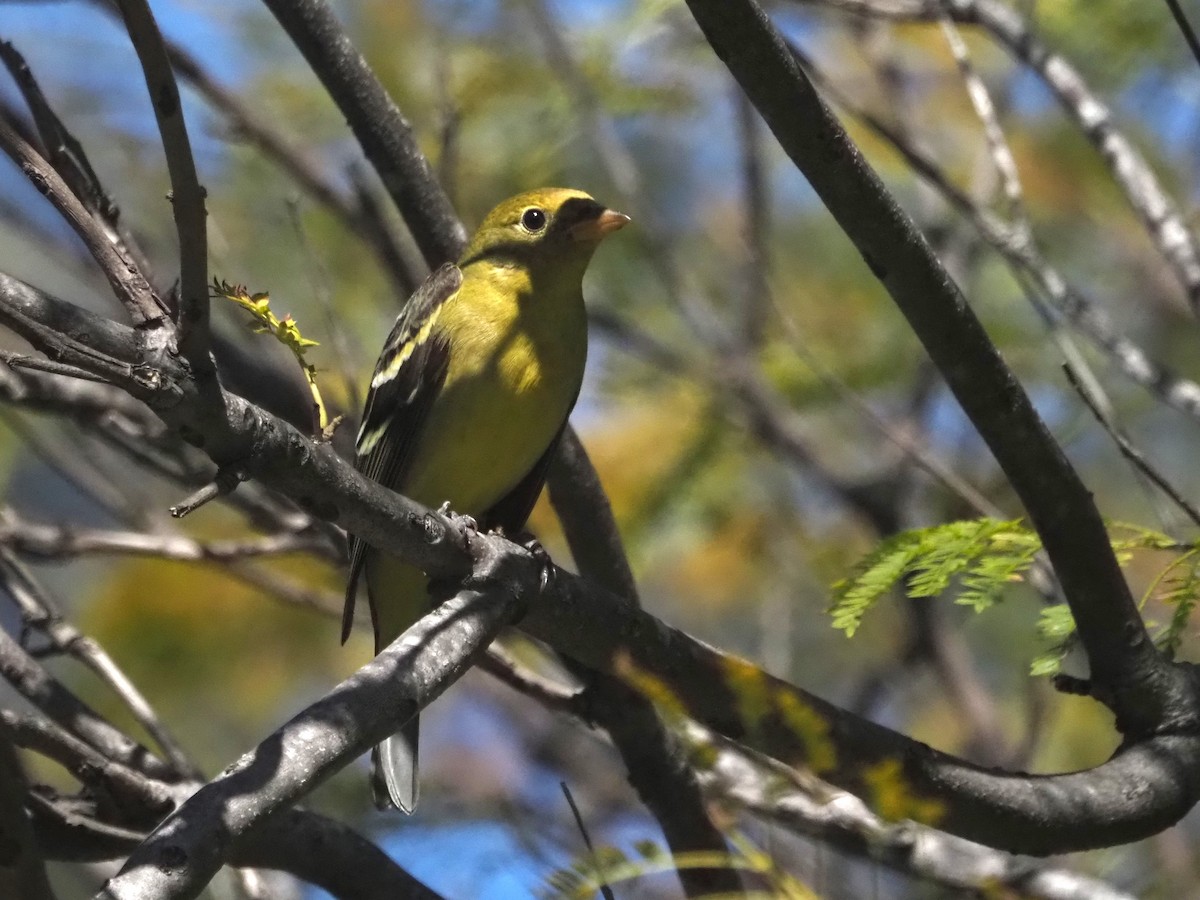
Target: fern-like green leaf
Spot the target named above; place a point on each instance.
(873, 577)
(988, 555)
(1180, 585)
(1057, 625)
(1009, 555)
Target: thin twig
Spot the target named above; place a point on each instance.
(1160, 215)
(551, 694)
(1130, 452)
(77, 470)
(291, 155)
(65, 542)
(985, 110)
(21, 361)
(40, 611)
(128, 283)
(36, 685)
(68, 156)
(1185, 26)
(1131, 360)
(225, 482)
(605, 889)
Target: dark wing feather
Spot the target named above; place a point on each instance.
(406, 381)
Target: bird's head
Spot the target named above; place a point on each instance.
(558, 228)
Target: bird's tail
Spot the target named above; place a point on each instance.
(394, 773)
(398, 598)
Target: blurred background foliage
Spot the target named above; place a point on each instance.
(734, 537)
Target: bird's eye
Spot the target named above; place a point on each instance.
(533, 219)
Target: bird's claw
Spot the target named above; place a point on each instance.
(546, 565)
(468, 521)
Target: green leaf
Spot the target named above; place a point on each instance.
(987, 554)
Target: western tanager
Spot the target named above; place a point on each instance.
(469, 398)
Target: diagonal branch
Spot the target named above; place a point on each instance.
(1167, 229)
(129, 285)
(1127, 671)
(187, 849)
(22, 873)
(187, 196)
(381, 129)
(806, 806)
(286, 152)
(658, 764)
(1023, 259)
(40, 611)
(36, 685)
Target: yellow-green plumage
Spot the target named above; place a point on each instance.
(506, 348)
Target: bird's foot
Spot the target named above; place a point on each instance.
(535, 549)
(468, 521)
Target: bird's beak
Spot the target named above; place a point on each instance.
(596, 228)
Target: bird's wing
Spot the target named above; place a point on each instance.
(407, 379)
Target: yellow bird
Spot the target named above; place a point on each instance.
(469, 399)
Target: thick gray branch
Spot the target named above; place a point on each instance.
(187, 849)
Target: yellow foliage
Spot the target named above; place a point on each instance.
(635, 451)
(721, 568)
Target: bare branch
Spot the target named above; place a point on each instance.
(1166, 227)
(1131, 360)
(64, 708)
(377, 123)
(658, 767)
(38, 610)
(67, 542)
(841, 820)
(68, 156)
(1130, 452)
(127, 282)
(124, 793)
(187, 196)
(289, 154)
(1185, 27)
(22, 874)
(186, 850)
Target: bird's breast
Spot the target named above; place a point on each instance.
(515, 370)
